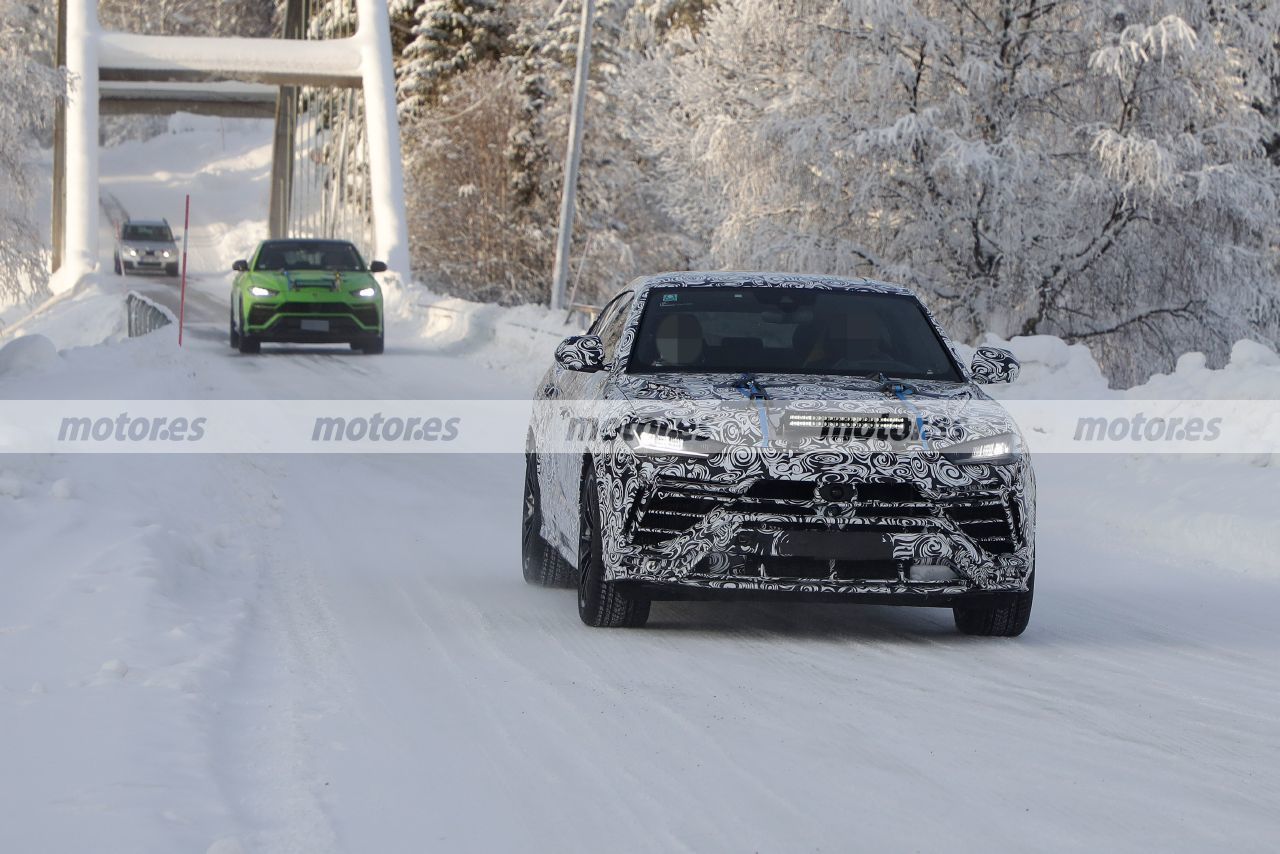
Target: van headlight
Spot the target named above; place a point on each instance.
(656, 439)
(1000, 449)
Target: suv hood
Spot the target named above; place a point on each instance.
(144, 245)
(304, 283)
(778, 387)
(720, 407)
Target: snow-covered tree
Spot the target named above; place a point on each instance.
(502, 123)
(615, 224)
(449, 37)
(667, 15)
(544, 54)
(401, 15)
(30, 88)
(189, 17)
(1086, 170)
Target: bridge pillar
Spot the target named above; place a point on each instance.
(362, 60)
(80, 161)
(386, 171)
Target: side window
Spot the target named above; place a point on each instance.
(611, 321)
(611, 327)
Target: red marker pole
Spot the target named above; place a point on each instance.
(182, 300)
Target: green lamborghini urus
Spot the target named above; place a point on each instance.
(306, 291)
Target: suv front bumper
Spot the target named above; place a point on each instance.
(917, 539)
(328, 321)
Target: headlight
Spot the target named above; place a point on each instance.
(662, 440)
(261, 292)
(164, 253)
(133, 253)
(1003, 448)
(367, 292)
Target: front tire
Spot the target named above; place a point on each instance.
(372, 347)
(234, 334)
(542, 564)
(245, 342)
(1008, 619)
(601, 603)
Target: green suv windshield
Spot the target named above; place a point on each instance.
(327, 255)
(789, 331)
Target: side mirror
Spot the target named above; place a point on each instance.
(377, 267)
(241, 266)
(583, 353)
(993, 365)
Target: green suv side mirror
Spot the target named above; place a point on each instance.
(241, 266)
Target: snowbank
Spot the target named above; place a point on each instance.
(1054, 369)
(91, 313)
(27, 354)
(1252, 372)
(518, 341)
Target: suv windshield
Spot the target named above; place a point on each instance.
(154, 233)
(788, 331)
(327, 255)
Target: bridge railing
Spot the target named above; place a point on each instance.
(146, 315)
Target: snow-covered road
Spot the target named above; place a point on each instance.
(337, 653)
(1138, 712)
(321, 653)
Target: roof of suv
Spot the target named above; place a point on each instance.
(711, 278)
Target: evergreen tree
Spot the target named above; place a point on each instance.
(449, 37)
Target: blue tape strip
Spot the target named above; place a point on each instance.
(764, 422)
(902, 396)
(748, 389)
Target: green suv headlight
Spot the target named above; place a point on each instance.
(367, 292)
(1000, 449)
(259, 291)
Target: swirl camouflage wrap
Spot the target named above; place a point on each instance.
(834, 485)
(994, 365)
(580, 353)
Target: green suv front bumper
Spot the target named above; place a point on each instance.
(312, 317)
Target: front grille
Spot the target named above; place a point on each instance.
(674, 506)
(366, 314)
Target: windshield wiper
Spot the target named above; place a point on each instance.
(750, 387)
(890, 385)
